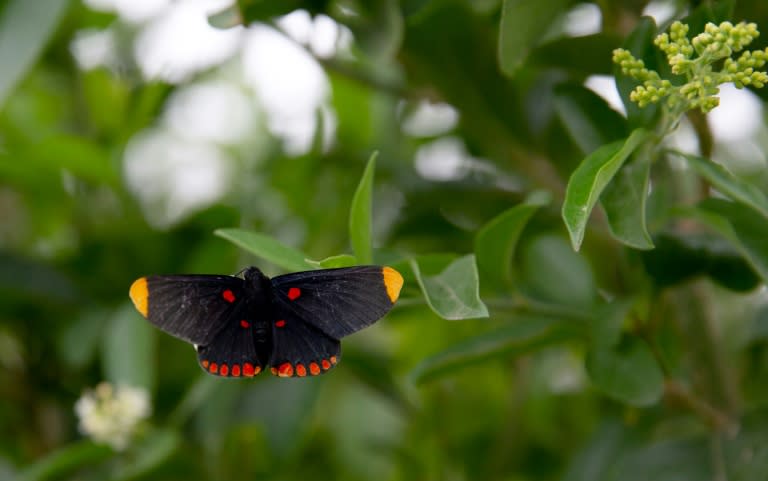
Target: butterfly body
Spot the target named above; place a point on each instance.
(291, 323)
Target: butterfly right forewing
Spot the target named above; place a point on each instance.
(193, 308)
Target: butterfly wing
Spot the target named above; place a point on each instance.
(337, 302)
(194, 308)
(241, 348)
(300, 349)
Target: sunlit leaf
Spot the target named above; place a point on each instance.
(343, 260)
(591, 177)
(268, 248)
(360, 215)
(521, 337)
(496, 241)
(25, 28)
(455, 292)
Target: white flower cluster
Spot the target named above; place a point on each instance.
(110, 414)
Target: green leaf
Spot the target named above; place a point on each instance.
(627, 372)
(343, 260)
(148, 454)
(590, 178)
(624, 202)
(496, 241)
(607, 323)
(523, 23)
(65, 460)
(552, 272)
(128, 350)
(360, 215)
(742, 226)
(25, 28)
(268, 248)
(587, 117)
(523, 336)
(455, 292)
(737, 189)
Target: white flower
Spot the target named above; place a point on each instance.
(111, 414)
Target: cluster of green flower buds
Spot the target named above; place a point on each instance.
(694, 61)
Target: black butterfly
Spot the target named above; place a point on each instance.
(291, 323)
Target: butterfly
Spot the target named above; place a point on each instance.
(292, 323)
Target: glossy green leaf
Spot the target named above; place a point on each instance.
(627, 372)
(343, 260)
(587, 117)
(66, 460)
(455, 292)
(268, 248)
(624, 201)
(128, 349)
(360, 215)
(552, 272)
(495, 242)
(523, 23)
(745, 228)
(25, 28)
(590, 178)
(737, 189)
(519, 338)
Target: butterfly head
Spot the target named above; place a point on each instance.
(256, 279)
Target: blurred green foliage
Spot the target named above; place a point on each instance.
(509, 356)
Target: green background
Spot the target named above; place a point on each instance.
(508, 357)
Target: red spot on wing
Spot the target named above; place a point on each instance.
(228, 296)
(334, 360)
(248, 370)
(204, 363)
(274, 370)
(285, 370)
(224, 370)
(280, 323)
(294, 293)
(213, 368)
(236, 370)
(314, 369)
(326, 364)
(301, 371)
(245, 324)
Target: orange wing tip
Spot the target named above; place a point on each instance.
(393, 281)
(140, 295)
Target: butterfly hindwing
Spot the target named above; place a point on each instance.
(241, 348)
(300, 349)
(339, 301)
(193, 308)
